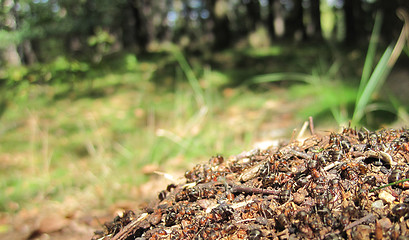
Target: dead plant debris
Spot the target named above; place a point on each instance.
(347, 185)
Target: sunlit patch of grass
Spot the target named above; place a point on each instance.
(265, 52)
(334, 99)
(92, 141)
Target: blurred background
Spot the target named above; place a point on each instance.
(97, 96)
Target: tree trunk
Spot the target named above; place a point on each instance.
(220, 24)
(29, 55)
(138, 9)
(10, 53)
(254, 16)
(270, 20)
(350, 30)
(162, 31)
(295, 28)
(279, 22)
(128, 28)
(354, 22)
(315, 24)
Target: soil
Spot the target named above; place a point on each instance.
(347, 185)
(73, 218)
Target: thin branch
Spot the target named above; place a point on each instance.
(359, 221)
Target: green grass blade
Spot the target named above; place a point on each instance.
(400, 109)
(370, 56)
(378, 76)
(276, 77)
(389, 184)
(194, 83)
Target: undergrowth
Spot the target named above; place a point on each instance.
(91, 139)
(76, 130)
(349, 103)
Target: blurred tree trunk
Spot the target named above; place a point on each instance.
(128, 28)
(350, 31)
(10, 53)
(141, 30)
(163, 32)
(354, 20)
(279, 21)
(295, 28)
(253, 13)
(270, 20)
(219, 24)
(30, 56)
(315, 24)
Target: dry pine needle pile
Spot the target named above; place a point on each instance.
(347, 185)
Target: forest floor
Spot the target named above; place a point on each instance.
(346, 185)
(75, 218)
(75, 155)
(78, 216)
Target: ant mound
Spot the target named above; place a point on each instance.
(347, 185)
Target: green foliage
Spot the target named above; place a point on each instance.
(59, 71)
(62, 64)
(193, 81)
(100, 37)
(371, 82)
(114, 129)
(329, 94)
(370, 86)
(337, 96)
(11, 75)
(131, 62)
(7, 38)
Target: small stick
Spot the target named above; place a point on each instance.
(300, 154)
(359, 221)
(240, 189)
(237, 189)
(284, 232)
(311, 125)
(293, 134)
(244, 189)
(301, 133)
(331, 165)
(246, 220)
(129, 229)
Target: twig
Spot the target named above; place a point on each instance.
(359, 221)
(300, 154)
(404, 35)
(332, 165)
(240, 189)
(246, 220)
(244, 189)
(311, 125)
(129, 229)
(302, 131)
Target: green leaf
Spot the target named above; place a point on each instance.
(377, 78)
(370, 56)
(276, 77)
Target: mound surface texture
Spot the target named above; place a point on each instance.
(347, 185)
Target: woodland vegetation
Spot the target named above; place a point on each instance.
(39, 31)
(121, 89)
